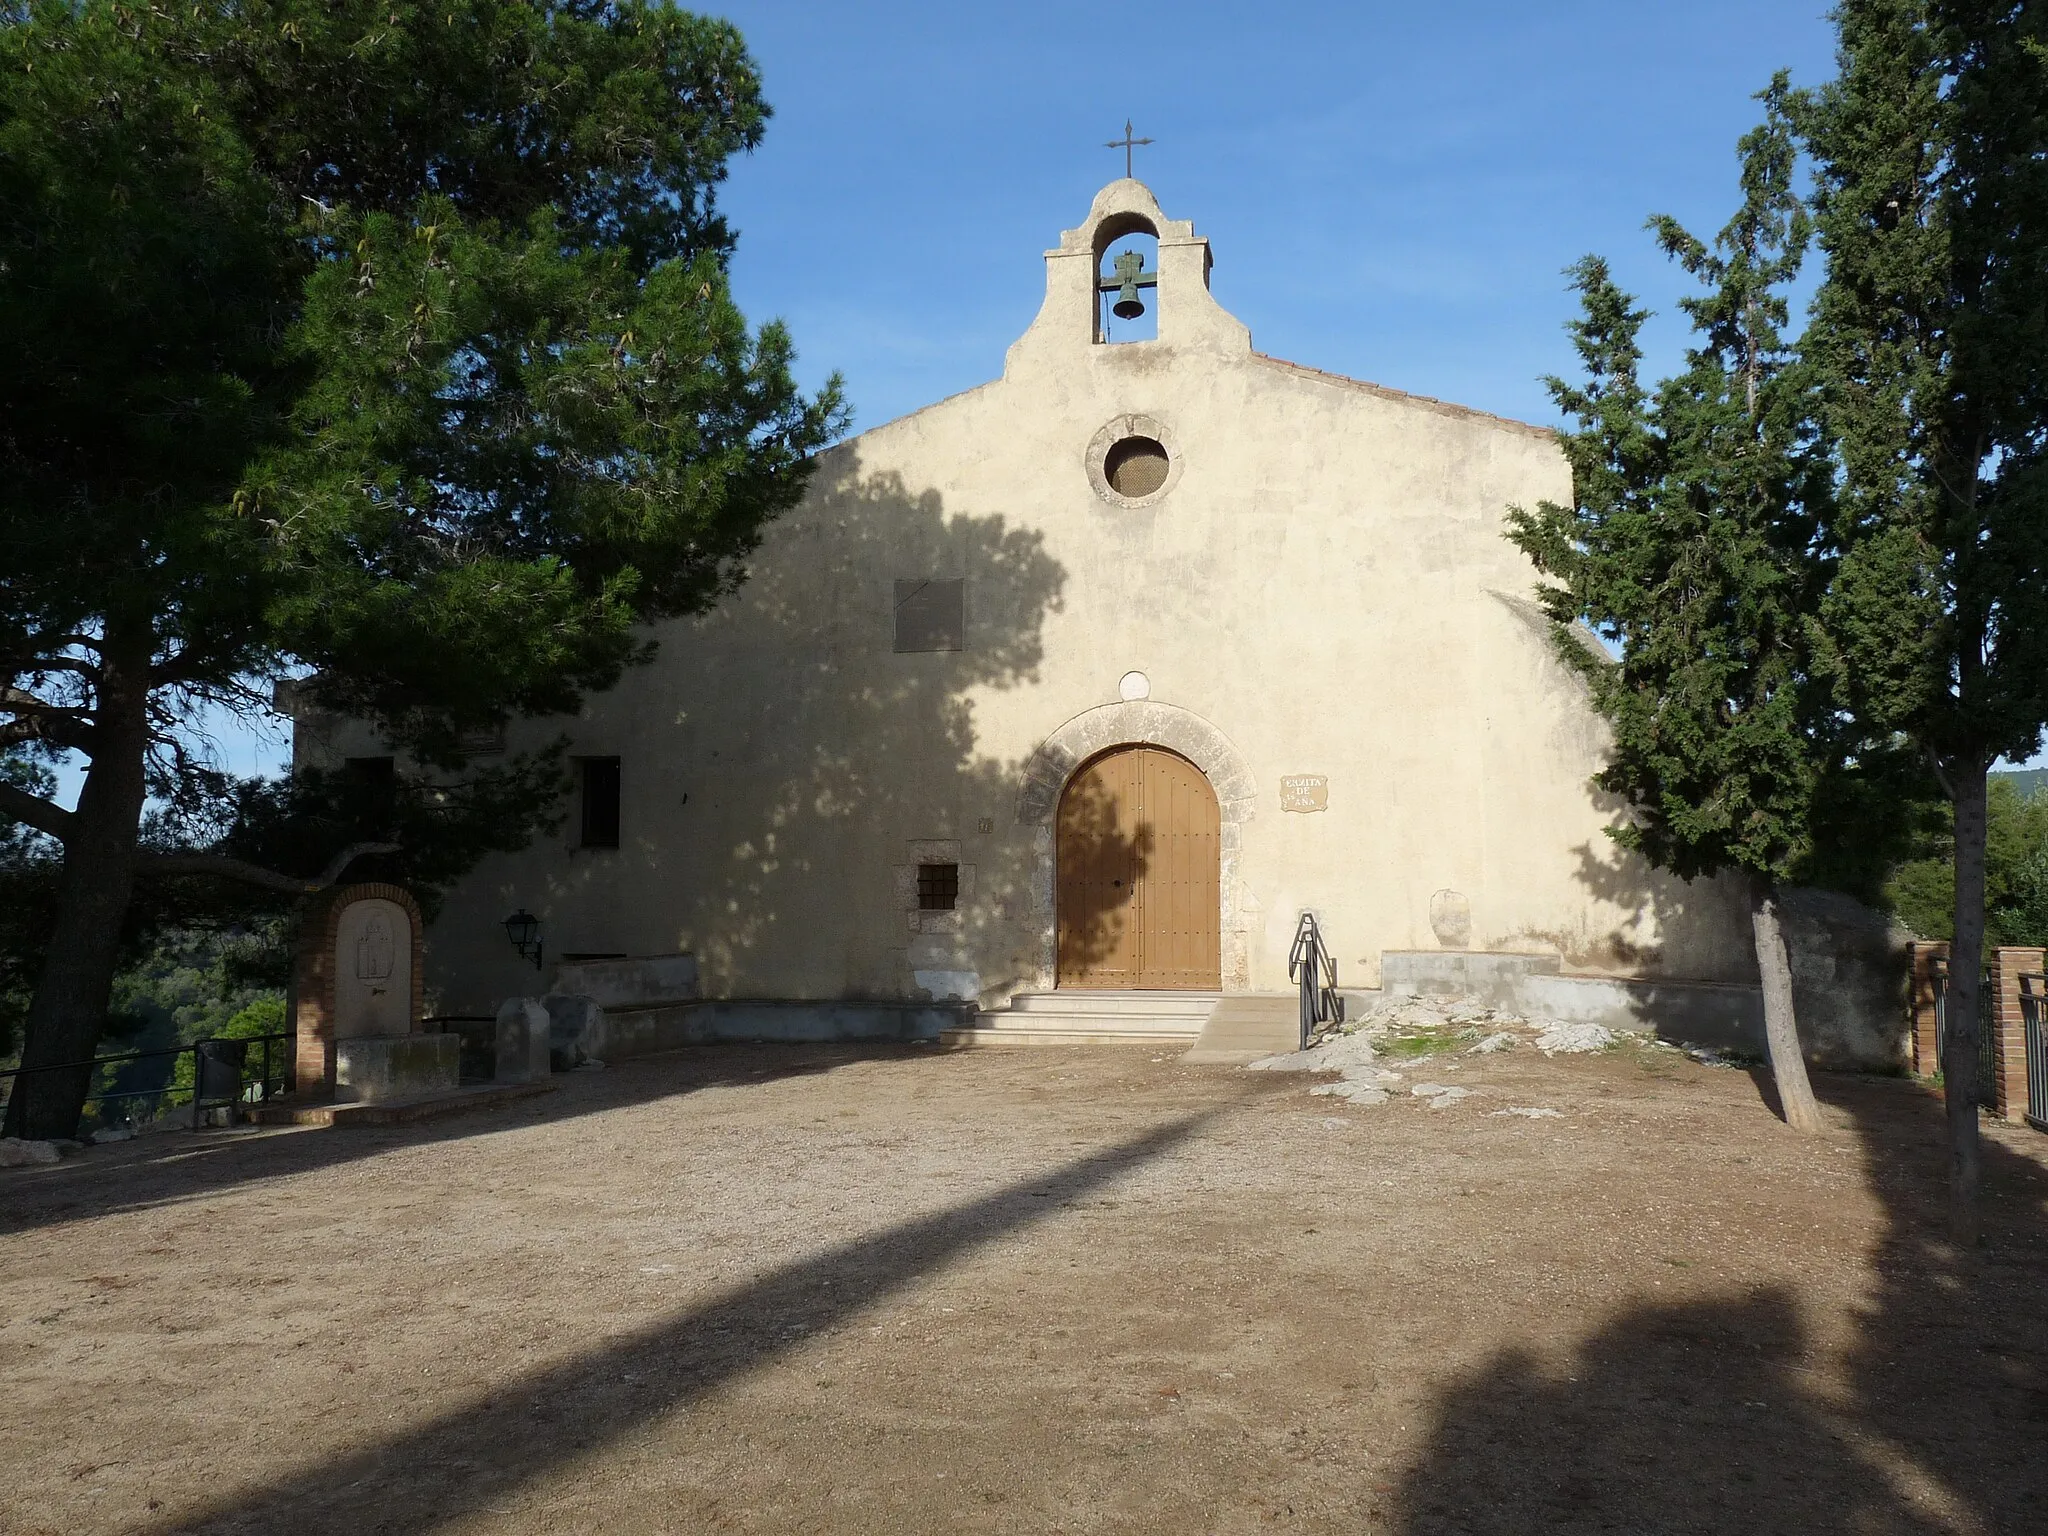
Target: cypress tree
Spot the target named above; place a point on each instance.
(1690, 549)
(1930, 334)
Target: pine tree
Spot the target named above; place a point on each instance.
(1690, 548)
(1930, 334)
(389, 341)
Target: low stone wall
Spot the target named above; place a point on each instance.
(1849, 983)
(374, 1069)
(582, 1031)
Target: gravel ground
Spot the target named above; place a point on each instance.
(788, 1289)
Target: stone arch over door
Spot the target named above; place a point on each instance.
(1141, 722)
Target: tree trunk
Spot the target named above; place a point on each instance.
(1781, 1027)
(1964, 1010)
(84, 946)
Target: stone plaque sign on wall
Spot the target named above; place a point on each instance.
(1304, 792)
(373, 970)
(358, 976)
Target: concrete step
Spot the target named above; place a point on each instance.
(1248, 1025)
(391, 1111)
(1098, 1003)
(1072, 1017)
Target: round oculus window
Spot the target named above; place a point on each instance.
(1136, 466)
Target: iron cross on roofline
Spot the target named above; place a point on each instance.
(1126, 144)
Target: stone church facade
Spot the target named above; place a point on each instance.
(1099, 675)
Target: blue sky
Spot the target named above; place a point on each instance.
(1391, 190)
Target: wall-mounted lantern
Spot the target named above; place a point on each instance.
(523, 929)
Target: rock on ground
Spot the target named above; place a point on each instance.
(1440, 1096)
(1335, 1054)
(16, 1153)
(1562, 1039)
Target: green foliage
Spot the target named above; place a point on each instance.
(1930, 338)
(177, 991)
(399, 335)
(28, 877)
(387, 341)
(444, 823)
(1691, 544)
(1922, 890)
(258, 1016)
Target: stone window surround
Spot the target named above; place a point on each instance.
(1115, 431)
(932, 850)
(1137, 723)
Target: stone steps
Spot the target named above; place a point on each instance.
(1076, 1017)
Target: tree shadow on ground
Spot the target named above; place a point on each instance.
(429, 1473)
(1732, 1415)
(174, 1169)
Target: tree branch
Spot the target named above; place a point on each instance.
(255, 874)
(83, 668)
(42, 646)
(40, 720)
(34, 811)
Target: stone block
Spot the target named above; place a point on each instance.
(575, 1030)
(522, 1041)
(370, 1069)
(1484, 976)
(643, 981)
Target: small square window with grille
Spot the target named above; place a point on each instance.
(938, 887)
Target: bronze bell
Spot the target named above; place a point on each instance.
(1129, 267)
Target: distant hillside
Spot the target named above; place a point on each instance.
(2028, 781)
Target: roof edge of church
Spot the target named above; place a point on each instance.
(958, 394)
(1427, 402)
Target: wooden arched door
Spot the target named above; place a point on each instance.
(1139, 862)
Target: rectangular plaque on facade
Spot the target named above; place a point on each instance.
(1304, 792)
(931, 615)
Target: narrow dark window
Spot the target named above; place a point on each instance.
(372, 787)
(374, 771)
(938, 887)
(600, 801)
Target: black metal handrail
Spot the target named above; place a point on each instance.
(1314, 969)
(2033, 1004)
(219, 1073)
(1987, 1046)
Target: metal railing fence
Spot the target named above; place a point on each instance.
(220, 1075)
(1987, 1046)
(2033, 1003)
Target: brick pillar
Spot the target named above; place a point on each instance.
(1921, 952)
(2008, 1033)
(313, 1002)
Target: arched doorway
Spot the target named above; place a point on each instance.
(1139, 874)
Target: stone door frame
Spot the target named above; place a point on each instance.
(1139, 723)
